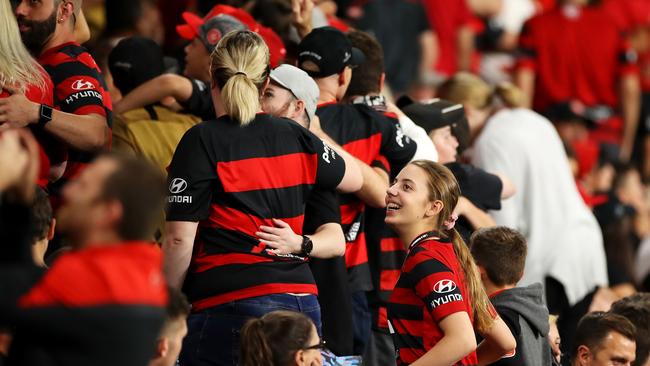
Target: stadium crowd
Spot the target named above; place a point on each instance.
(325, 182)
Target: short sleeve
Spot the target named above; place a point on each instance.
(82, 91)
(322, 207)
(191, 178)
(398, 148)
(331, 166)
(438, 287)
(421, 21)
(526, 53)
(200, 102)
(483, 189)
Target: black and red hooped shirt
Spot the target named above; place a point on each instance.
(79, 88)
(232, 179)
(377, 141)
(431, 286)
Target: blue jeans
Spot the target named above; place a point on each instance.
(213, 334)
(361, 321)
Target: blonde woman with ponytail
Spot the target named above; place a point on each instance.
(280, 338)
(230, 177)
(438, 300)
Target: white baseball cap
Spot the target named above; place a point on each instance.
(301, 85)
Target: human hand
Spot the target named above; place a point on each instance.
(281, 238)
(16, 110)
(18, 163)
(301, 12)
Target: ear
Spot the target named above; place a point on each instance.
(584, 355)
(162, 347)
(382, 81)
(434, 208)
(482, 272)
(114, 211)
(65, 11)
(299, 357)
(51, 230)
(300, 107)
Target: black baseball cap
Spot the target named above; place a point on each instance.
(329, 51)
(438, 113)
(134, 61)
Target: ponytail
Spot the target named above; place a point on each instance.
(239, 67)
(254, 350)
(483, 319)
(471, 90)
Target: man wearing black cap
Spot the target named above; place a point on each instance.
(192, 91)
(327, 55)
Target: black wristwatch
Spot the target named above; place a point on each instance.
(306, 247)
(44, 115)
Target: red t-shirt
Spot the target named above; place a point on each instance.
(446, 17)
(575, 58)
(431, 287)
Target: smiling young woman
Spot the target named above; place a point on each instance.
(438, 299)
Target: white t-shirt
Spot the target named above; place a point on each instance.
(564, 239)
(514, 14)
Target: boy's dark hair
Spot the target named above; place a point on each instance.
(502, 252)
(41, 215)
(636, 308)
(140, 187)
(367, 77)
(593, 328)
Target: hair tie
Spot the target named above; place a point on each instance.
(241, 73)
(450, 222)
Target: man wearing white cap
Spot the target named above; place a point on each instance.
(291, 94)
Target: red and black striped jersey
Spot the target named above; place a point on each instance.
(232, 179)
(103, 305)
(376, 140)
(79, 88)
(431, 286)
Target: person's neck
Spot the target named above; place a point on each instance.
(326, 96)
(102, 238)
(38, 252)
(58, 38)
(408, 233)
(491, 288)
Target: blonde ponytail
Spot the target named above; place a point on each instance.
(471, 90)
(240, 67)
(444, 187)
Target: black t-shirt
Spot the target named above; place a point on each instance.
(232, 179)
(397, 24)
(200, 102)
(479, 187)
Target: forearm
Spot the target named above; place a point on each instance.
(154, 90)
(83, 132)
(177, 251)
(508, 189)
(448, 351)
(630, 108)
(465, 48)
(477, 217)
(425, 148)
(525, 80)
(375, 184)
(329, 241)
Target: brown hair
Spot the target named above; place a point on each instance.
(469, 89)
(41, 215)
(636, 308)
(443, 186)
(502, 252)
(274, 339)
(139, 187)
(240, 67)
(593, 328)
(367, 77)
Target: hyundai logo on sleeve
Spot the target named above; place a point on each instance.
(444, 286)
(177, 185)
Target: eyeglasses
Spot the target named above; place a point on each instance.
(319, 345)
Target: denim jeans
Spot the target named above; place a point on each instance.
(213, 334)
(361, 321)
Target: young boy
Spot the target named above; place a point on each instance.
(500, 254)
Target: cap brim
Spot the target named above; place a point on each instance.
(190, 30)
(357, 58)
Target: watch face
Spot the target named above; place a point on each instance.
(307, 245)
